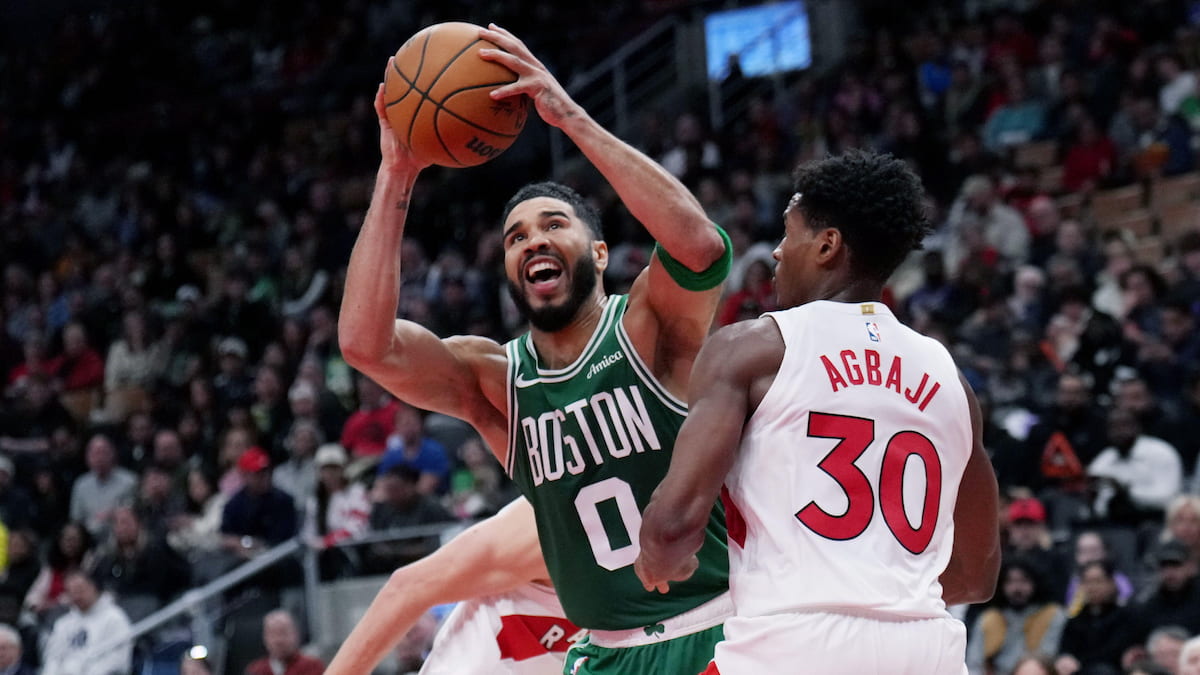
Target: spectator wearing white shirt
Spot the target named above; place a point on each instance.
(978, 217)
(339, 510)
(1178, 84)
(1189, 657)
(1138, 474)
(104, 487)
(77, 642)
(297, 476)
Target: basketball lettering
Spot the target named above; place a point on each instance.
(482, 149)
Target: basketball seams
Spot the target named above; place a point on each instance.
(477, 110)
(441, 105)
(472, 123)
(400, 74)
(437, 133)
(424, 97)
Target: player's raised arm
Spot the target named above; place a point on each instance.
(732, 372)
(655, 197)
(494, 556)
(403, 356)
(970, 575)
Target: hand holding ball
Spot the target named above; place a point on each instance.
(436, 93)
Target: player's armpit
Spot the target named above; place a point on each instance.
(974, 565)
(668, 324)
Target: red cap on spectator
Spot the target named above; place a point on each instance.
(253, 460)
(1027, 508)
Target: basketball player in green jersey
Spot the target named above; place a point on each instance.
(583, 410)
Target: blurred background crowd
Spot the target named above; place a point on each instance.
(180, 188)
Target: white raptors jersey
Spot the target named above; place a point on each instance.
(842, 496)
(522, 632)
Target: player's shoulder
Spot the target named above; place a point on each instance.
(763, 329)
(753, 345)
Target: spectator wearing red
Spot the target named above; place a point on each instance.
(1090, 158)
(79, 366)
(71, 551)
(282, 640)
(758, 291)
(36, 362)
(1011, 41)
(367, 430)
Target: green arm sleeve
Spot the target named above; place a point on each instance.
(698, 281)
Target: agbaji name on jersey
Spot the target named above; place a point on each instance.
(867, 369)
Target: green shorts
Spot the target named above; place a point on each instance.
(684, 655)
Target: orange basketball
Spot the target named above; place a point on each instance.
(437, 98)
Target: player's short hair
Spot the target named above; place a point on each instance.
(875, 200)
(583, 208)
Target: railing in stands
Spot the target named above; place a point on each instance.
(196, 602)
(640, 71)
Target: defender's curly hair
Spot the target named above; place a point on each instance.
(583, 208)
(874, 200)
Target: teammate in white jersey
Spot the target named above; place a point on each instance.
(859, 498)
(509, 623)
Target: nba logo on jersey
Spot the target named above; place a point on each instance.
(873, 331)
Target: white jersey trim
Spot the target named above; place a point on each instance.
(644, 374)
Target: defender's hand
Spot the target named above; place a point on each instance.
(656, 579)
(533, 78)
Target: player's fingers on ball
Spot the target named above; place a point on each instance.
(510, 90)
(501, 31)
(510, 61)
(380, 105)
(505, 40)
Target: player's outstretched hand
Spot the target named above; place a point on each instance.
(656, 577)
(394, 154)
(533, 78)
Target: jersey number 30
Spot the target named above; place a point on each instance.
(855, 435)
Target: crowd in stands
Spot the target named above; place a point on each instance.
(180, 188)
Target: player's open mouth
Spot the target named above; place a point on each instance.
(543, 275)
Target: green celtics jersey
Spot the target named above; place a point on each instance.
(588, 444)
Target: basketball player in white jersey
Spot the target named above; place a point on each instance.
(859, 499)
(508, 621)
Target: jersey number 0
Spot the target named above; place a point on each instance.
(855, 435)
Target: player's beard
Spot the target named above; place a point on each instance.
(550, 318)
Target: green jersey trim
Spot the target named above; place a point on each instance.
(550, 376)
(646, 376)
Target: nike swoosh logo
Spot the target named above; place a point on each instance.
(521, 382)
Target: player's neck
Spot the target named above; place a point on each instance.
(560, 348)
(856, 290)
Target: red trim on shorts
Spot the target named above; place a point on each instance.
(521, 636)
(711, 669)
(734, 522)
